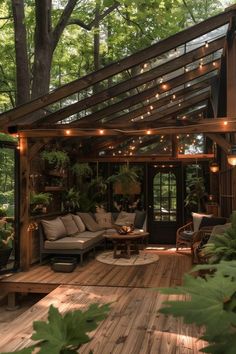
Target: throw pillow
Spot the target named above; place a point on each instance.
(80, 225)
(104, 220)
(54, 229)
(197, 218)
(125, 218)
(89, 222)
(213, 221)
(70, 224)
(139, 219)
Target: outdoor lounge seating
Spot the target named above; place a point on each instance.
(78, 234)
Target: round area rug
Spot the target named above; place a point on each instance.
(135, 259)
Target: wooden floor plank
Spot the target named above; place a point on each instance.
(133, 325)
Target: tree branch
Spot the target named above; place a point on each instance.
(63, 21)
(6, 18)
(190, 11)
(99, 18)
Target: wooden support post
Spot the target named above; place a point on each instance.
(175, 149)
(24, 205)
(231, 70)
(11, 302)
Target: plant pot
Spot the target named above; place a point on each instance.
(4, 256)
(134, 188)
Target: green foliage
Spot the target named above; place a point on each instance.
(222, 247)
(195, 193)
(40, 198)
(127, 176)
(57, 158)
(82, 170)
(212, 303)
(64, 334)
(71, 200)
(6, 233)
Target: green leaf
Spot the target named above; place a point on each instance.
(212, 301)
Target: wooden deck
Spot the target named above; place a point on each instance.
(133, 325)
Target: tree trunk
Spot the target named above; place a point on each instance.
(96, 43)
(43, 48)
(22, 68)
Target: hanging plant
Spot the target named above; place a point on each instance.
(57, 159)
(125, 181)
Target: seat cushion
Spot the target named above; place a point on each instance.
(89, 222)
(213, 221)
(70, 225)
(54, 229)
(104, 220)
(125, 218)
(80, 225)
(197, 218)
(75, 242)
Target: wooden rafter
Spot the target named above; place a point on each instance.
(133, 82)
(204, 126)
(220, 141)
(124, 64)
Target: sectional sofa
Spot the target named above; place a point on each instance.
(77, 234)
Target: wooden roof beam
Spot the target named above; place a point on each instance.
(124, 64)
(220, 141)
(133, 82)
(147, 94)
(150, 158)
(216, 125)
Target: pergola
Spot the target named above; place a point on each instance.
(185, 84)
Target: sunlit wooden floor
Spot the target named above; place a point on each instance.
(133, 325)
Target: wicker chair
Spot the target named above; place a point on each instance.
(184, 236)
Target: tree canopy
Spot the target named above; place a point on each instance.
(47, 43)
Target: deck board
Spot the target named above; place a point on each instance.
(133, 325)
(168, 271)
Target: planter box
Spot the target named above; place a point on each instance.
(63, 264)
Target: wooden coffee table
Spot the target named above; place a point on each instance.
(127, 244)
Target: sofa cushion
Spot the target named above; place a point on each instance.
(212, 221)
(219, 230)
(139, 219)
(80, 225)
(125, 218)
(197, 218)
(104, 220)
(74, 242)
(89, 222)
(54, 229)
(70, 225)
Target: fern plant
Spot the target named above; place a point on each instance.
(126, 177)
(57, 158)
(222, 247)
(212, 304)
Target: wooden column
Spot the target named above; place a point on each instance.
(174, 142)
(24, 205)
(231, 92)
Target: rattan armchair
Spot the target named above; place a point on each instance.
(184, 236)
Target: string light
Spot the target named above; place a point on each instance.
(206, 44)
(101, 131)
(157, 95)
(225, 122)
(68, 132)
(148, 132)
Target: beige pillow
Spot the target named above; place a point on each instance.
(125, 218)
(54, 229)
(70, 225)
(104, 220)
(89, 222)
(197, 218)
(79, 223)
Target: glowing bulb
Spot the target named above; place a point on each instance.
(151, 107)
(68, 132)
(157, 95)
(101, 131)
(225, 122)
(148, 132)
(206, 44)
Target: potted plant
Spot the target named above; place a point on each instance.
(125, 181)
(39, 202)
(71, 200)
(57, 159)
(6, 237)
(196, 194)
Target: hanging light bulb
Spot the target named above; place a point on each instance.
(214, 166)
(232, 156)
